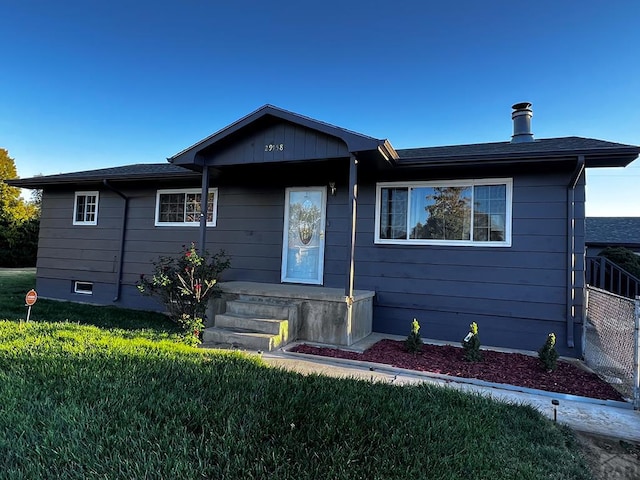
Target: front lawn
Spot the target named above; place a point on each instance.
(113, 401)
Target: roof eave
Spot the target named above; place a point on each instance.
(593, 159)
(41, 182)
(388, 152)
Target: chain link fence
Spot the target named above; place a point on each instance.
(611, 341)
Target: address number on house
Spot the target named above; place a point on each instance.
(274, 147)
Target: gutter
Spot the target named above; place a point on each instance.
(613, 157)
(571, 248)
(123, 230)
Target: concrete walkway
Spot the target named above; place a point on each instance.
(611, 419)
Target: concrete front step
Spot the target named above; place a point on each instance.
(249, 308)
(252, 324)
(259, 325)
(249, 340)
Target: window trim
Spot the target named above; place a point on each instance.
(75, 207)
(186, 191)
(508, 182)
(88, 291)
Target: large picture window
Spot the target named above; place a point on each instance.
(85, 208)
(182, 207)
(467, 212)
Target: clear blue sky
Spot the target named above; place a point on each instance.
(92, 84)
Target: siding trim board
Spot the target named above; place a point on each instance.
(520, 293)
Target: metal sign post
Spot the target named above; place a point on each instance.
(29, 300)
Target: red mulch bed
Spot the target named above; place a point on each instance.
(509, 368)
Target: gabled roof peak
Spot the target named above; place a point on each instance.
(354, 141)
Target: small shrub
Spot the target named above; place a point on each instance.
(471, 344)
(19, 243)
(547, 354)
(184, 284)
(413, 343)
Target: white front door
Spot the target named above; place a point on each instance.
(303, 240)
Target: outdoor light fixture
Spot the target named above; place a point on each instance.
(332, 188)
(555, 404)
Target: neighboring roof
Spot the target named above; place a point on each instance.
(615, 231)
(147, 171)
(356, 142)
(598, 153)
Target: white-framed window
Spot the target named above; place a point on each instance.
(465, 212)
(85, 208)
(84, 288)
(181, 207)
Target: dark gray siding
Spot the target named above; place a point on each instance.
(276, 143)
(516, 294)
(68, 253)
(249, 229)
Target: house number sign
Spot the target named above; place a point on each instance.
(274, 147)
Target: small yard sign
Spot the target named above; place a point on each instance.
(30, 299)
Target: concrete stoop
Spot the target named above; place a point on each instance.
(252, 325)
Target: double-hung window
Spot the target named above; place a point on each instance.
(465, 212)
(85, 208)
(180, 207)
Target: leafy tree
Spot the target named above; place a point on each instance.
(19, 220)
(449, 212)
(13, 209)
(19, 244)
(624, 258)
(36, 200)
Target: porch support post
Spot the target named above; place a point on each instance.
(353, 200)
(204, 202)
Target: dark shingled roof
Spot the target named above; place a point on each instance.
(620, 231)
(551, 148)
(146, 171)
(597, 153)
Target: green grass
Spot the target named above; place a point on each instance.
(14, 285)
(82, 401)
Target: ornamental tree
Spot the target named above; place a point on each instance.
(184, 284)
(471, 344)
(414, 343)
(547, 353)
